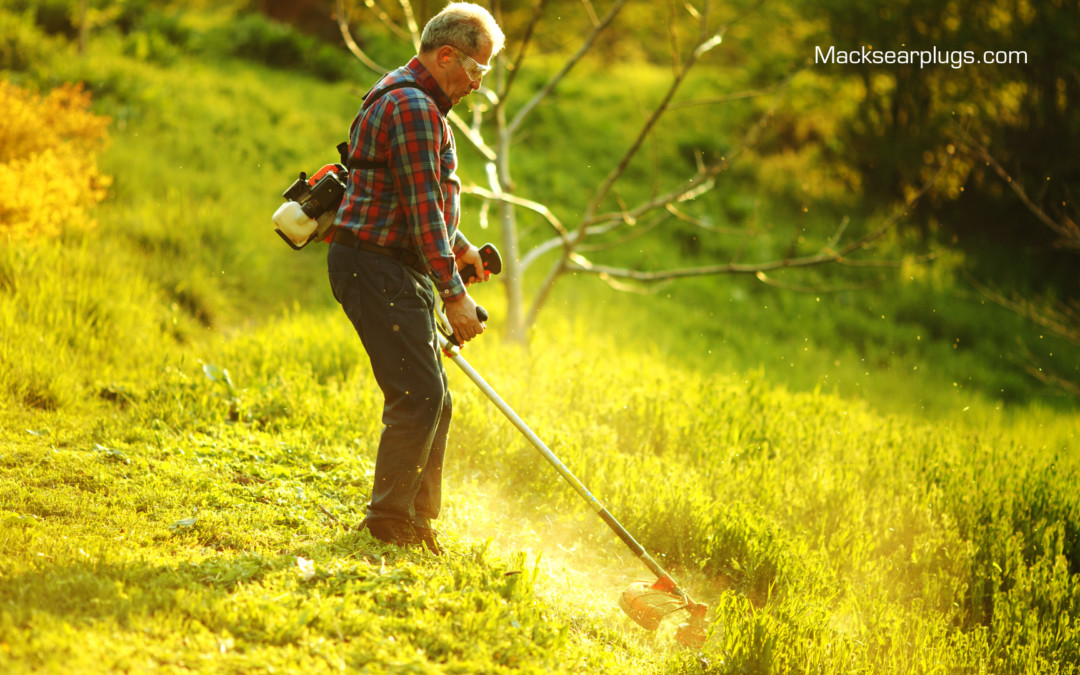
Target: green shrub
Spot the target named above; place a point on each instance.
(23, 45)
(54, 17)
(255, 38)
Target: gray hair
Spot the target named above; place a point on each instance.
(464, 25)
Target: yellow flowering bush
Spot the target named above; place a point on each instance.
(49, 178)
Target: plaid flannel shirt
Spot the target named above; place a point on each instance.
(415, 204)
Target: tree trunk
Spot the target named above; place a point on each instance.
(512, 276)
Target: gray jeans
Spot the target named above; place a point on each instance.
(391, 306)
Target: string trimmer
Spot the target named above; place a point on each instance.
(646, 603)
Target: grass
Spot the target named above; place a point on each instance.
(820, 531)
(188, 431)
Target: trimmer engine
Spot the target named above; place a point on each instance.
(311, 206)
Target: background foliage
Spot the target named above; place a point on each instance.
(857, 478)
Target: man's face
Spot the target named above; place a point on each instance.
(467, 72)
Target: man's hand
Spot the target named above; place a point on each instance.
(461, 314)
(471, 258)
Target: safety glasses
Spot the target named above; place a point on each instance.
(474, 70)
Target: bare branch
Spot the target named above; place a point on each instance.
(552, 244)
(700, 182)
(1062, 319)
(634, 233)
(745, 13)
(827, 255)
(709, 44)
(673, 37)
(557, 269)
(410, 19)
(877, 263)
(534, 253)
(1059, 318)
(795, 288)
(835, 241)
(699, 223)
(591, 12)
(756, 269)
(387, 21)
(1067, 229)
(613, 220)
(705, 43)
(873, 236)
(515, 68)
(660, 201)
(492, 172)
(350, 43)
(705, 270)
(631, 288)
(716, 100)
(646, 129)
(1044, 375)
(484, 215)
(472, 135)
(536, 207)
(613, 11)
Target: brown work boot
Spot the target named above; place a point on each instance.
(429, 538)
(392, 531)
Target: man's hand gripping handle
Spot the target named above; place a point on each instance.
(489, 256)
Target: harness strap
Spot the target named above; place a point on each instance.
(343, 148)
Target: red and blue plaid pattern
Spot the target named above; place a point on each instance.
(415, 204)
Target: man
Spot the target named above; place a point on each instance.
(398, 227)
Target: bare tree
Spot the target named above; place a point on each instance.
(570, 244)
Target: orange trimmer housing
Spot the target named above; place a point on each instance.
(647, 604)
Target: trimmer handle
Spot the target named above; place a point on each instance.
(489, 255)
(481, 314)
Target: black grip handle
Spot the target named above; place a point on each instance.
(489, 255)
(481, 314)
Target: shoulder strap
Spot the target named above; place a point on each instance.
(343, 148)
(407, 84)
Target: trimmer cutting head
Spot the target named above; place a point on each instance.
(647, 604)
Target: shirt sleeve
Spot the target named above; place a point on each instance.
(416, 137)
(461, 244)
